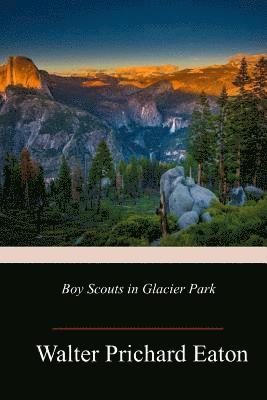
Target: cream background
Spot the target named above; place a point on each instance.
(133, 254)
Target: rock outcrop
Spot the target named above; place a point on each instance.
(168, 182)
(184, 198)
(23, 72)
(187, 219)
(253, 192)
(144, 113)
(237, 196)
(180, 200)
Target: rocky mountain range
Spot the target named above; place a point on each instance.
(137, 110)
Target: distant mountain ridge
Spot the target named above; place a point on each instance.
(191, 80)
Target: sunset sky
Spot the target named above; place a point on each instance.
(65, 34)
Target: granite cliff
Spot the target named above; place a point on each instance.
(21, 71)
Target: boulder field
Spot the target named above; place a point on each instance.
(184, 198)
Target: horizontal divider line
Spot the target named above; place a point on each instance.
(139, 329)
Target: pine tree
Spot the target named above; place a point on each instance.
(147, 173)
(23, 182)
(101, 173)
(246, 128)
(237, 123)
(156, 169)
(38, 194)
(201, 135)
(17, 186)
(122, 167)
(52, 189)
(133, 178)
(8, 172)
(242, 78)
(38, 187)
(222, 102)
(1, 196)
(119, 180)
(245, 134)
(63, 185)
(119, 185)
(253, 142)
(259, 81)
(233, 134)
(28, 173)
(260, 115)
(76, 183)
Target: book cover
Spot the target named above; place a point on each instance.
(133, 132)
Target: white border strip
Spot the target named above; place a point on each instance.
(133, 254)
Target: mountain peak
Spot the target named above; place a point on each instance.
(19, 70)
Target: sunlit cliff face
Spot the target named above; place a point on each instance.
(19, 71)
(94, 83)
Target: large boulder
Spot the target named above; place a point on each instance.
(187, 219)
(202, 198)
(180, 200)
(237, 196)
(253, 192)
(189, 182)
(184, 198)
(169, 180)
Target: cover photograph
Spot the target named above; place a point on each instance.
(133, 123)
(133, 132)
